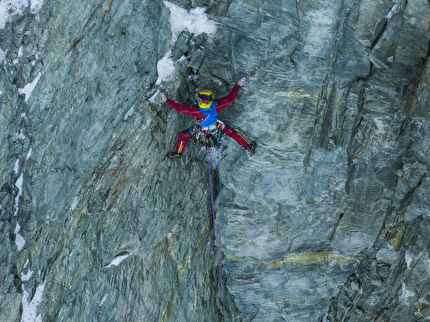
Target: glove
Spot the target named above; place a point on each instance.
(241, 81)
(163, 96)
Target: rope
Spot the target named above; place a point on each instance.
(223, 227)
(216, 235)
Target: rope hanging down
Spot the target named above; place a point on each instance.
(223, 228)
(216, 238)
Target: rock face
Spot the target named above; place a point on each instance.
(327, 221)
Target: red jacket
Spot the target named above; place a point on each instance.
(193, 110)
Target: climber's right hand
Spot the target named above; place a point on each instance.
(241, 81)
(163, 96)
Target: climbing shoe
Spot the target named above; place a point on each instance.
(173, 155)
(251, 147)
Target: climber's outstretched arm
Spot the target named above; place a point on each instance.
(225, 101)
(186, 109)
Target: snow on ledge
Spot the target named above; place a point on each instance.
(2, 57)
(29, 308)
(103, 300)
(12, 8)
(28, 89)
(18, 184)
(195, 21)
(408, 257)
(129, 113)
(406, 293)
(392, 12)
(19, 240)
(35, 6)
(118, 259)
(165, 68)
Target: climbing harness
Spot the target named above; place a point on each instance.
(216, 234)
(210, 136)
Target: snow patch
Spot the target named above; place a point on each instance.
(408, 258)
(28, 89)
(195, 21)
(380, 126)
(117, 260)
(103, 299)
(26, 277)
(8, 9)
(33, 62)
(129, 113)
(165, 68)
(153, 97)
(74, 203)
(2, 57)
(17, 228)
(393, 11)
(21, 134)
(405, 294)
(29, 154)
(29, 308)
(16, 167)
(35, 6)
(71, 254)
(19, 240)
(18, 184)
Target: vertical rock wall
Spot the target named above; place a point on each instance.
(111, 230)
(327, 221)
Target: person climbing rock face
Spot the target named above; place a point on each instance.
(206, 110)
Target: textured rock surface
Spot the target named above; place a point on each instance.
(329, 220)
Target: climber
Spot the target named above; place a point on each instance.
(206, 111)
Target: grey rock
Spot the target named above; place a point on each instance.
(328, 220)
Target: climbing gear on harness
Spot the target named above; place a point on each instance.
(174, 155)
(208, 136)
(251, 147)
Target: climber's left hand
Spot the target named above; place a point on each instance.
(163, 96)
